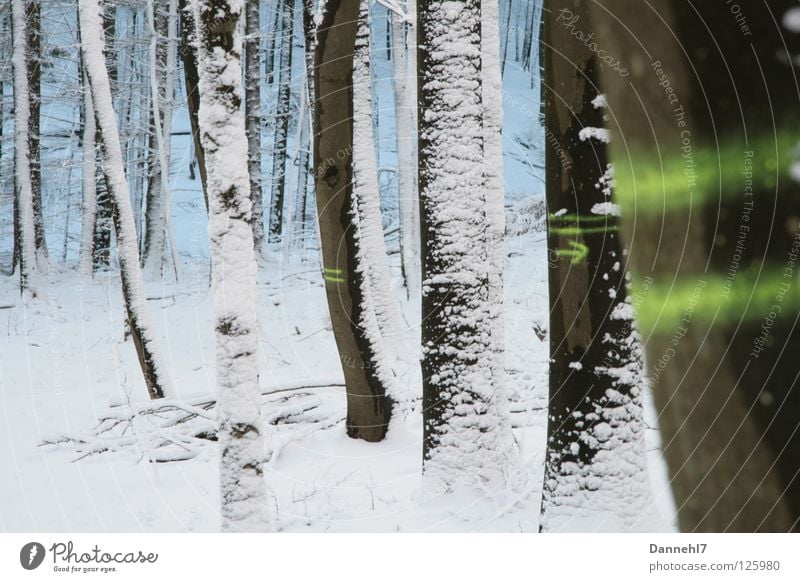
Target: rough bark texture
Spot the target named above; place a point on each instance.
(368, 404)
(712, 217)
(24, 222)
(33, 28)
(466, 435)
(252, 67)
(595, 469)
(233, 266)
(279, 151)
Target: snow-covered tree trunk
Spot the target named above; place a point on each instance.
(162, 27)
(104, 222)
(24, 223)
(408, 199)
(89, 182)
(155, 372)
(233, 264)
(33, 28)
(596, 467)
(279, 151)
(369, 405)
(466, 433)
(252, 55)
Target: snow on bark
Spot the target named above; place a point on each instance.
(252, 48)
(23, 185)
(379, 315)
(233, 282)
(89, 182)
(408, 199)
(92, 45)
(466, 429)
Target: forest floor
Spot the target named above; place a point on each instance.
(83, 443)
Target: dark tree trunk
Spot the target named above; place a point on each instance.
(596, 380)
(368, 405)
(191, 81)
(252, 67)
(462, 401)
(279, 152)
(34, 30)
(712, 217)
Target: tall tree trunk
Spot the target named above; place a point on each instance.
(408, 199)
(712, 218)
(191, 80)
(596, 467)
(463, 400)
(281, 125)
(162, 21)
(24, 126)
(252, 48)
(369, 405)
(233, 264)
(33, 28)
(155, 372)
(104, 223)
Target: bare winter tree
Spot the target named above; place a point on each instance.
(26, 248)
(701, 103)
(233, 280)
(595, 469)
(347, 283)
(155, 373)
(282, 114)
(466, 429)
(252, 54)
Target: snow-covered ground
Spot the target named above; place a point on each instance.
(65, 365)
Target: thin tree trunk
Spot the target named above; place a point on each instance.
(712, 218)
(252, 48)
(596, 466)
(233, 264)
(191, 81)
(33, 28)
(24, 222)
(462, 400)
(281, 126)
(369, 406)
(155, 372)
(104, 224)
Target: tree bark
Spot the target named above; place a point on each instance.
(33, 28)
(191, 80)
(596, 465)
(369, 405)
(233, 266)
(712, 218)
(252, 48)
(282, 114)
(461, 400)
(24, 213)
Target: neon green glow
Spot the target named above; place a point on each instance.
(578, 252)
(652, 185)
(749, 298)
(570, 218)
(577, 230)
